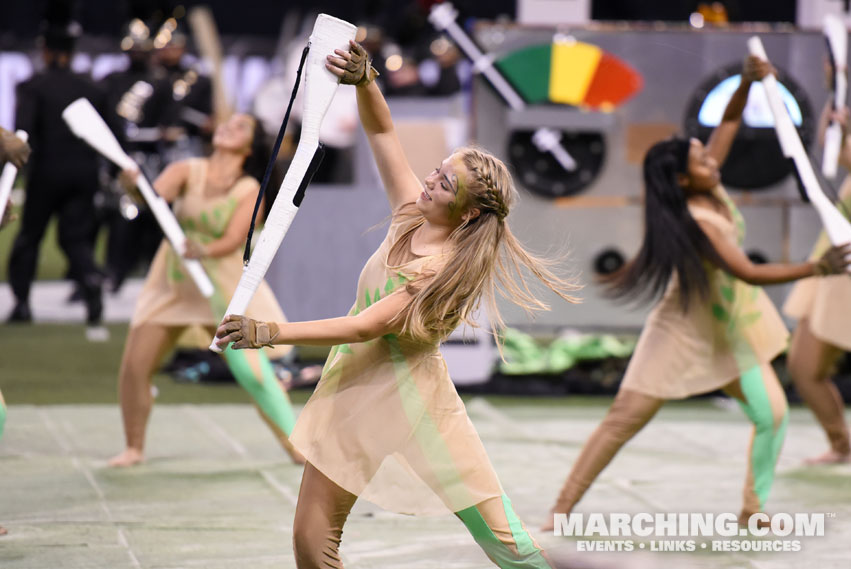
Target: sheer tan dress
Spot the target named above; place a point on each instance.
(169, 296)
(734, 329)
(385, 422)
(825, 301)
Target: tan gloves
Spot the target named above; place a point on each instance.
(13, 149)
(246, 333)
(834, 261)
(353, 67)
(194, 249)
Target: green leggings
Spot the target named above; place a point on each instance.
(765, 405)
(265, 390)
(502, 536)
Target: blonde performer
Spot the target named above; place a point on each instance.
(385, 422)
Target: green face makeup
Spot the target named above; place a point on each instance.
(455, 184)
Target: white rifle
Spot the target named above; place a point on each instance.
(85, 122)
(837, 47)
(320, 85)
(838, 228)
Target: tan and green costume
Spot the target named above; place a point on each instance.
(170, 298)
(386, 424)
(734, 333)
(825, 301)
(824, 306)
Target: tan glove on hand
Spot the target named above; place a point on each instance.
(247, 333)
(13, 149)
(835, 260)
(358, 69)
(194, 249)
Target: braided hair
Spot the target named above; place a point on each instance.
(485, 260)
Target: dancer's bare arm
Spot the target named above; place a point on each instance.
(400, 182)
(374, 322)
(740, 266)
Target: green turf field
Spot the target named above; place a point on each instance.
(55, 364)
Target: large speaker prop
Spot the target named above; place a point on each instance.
(562, 79)
(561, 72)
(595, 211)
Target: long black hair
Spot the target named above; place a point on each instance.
(673, 241)
(255, 163)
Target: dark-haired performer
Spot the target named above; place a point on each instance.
(214, 198)
(714, 327)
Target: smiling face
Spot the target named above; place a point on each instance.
(703, 171)
(443, 200)
(235, 134)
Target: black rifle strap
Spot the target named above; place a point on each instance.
(271, 165)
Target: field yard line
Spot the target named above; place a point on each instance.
(694, 442)
(627, 488)
(280, 488)
(68, 449)
(210, 426)
(366, 552)
(482, 406)
(222, 436)
(218, 562)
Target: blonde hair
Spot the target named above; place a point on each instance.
(485, 259)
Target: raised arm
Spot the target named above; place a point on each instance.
(400, 182)
(740, 266)
(754, 69)
(374, 322)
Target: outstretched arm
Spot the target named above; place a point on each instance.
(735, 262)
(374, 322)
(722, 137)
(400, 182)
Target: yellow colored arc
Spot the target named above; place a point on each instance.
(572, 67)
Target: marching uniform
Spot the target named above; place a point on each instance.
(62, 181)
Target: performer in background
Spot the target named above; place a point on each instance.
(214, 198)
(138, 101)
(714, 327)
(187, 119)
(823, 310)
(62, 176)
(385, 422)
